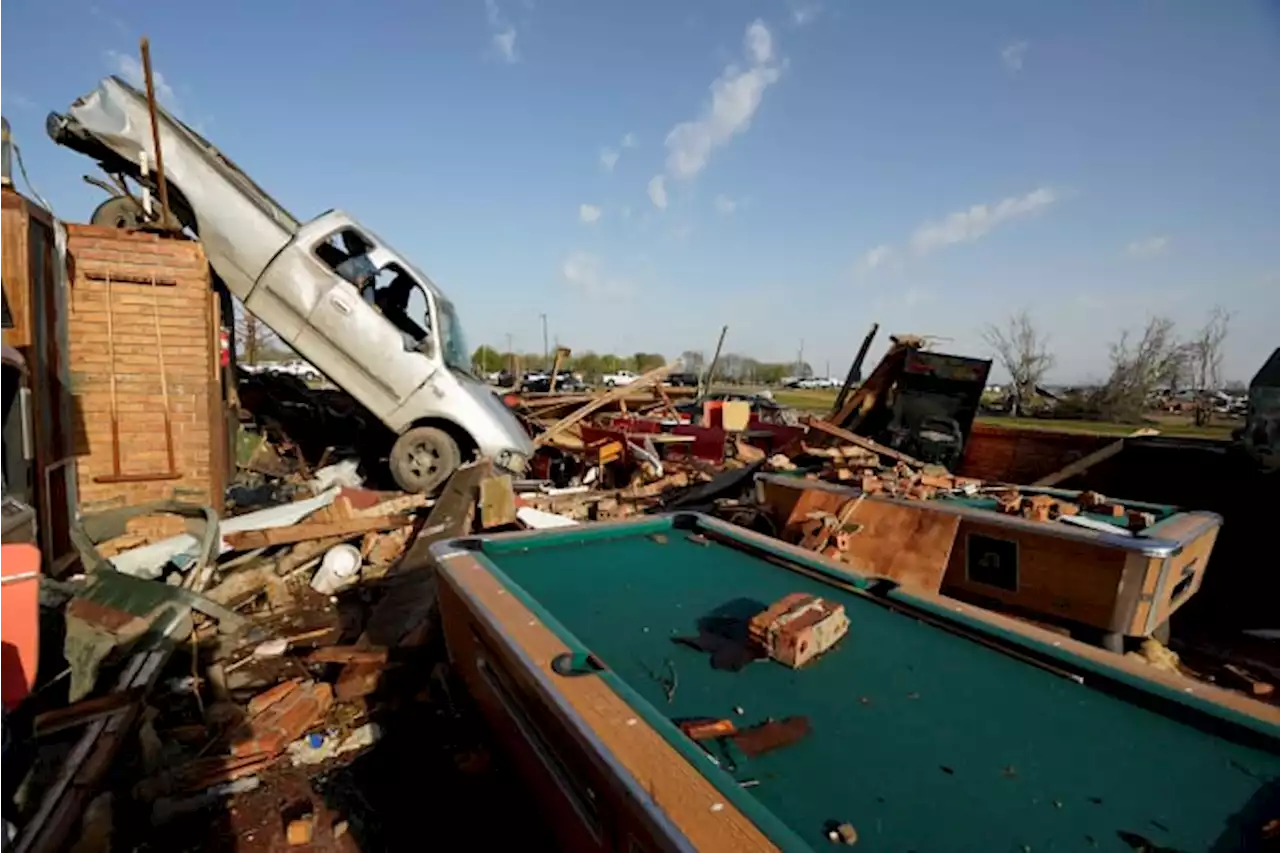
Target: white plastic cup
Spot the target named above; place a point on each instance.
(340, 566)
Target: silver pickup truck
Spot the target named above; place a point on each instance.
(331, 289)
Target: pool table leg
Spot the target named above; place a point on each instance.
(1112, 641)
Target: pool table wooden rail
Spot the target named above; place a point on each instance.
(646, 794)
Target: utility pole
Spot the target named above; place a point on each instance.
(704, 385)
(800, 360)
(511, 356)
(546, 350)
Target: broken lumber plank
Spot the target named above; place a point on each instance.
(834, 431)
(305, 531)
(348, 654)
(653, 377)
(860, 403)
(84, 711)
(497, 501)
(449, 518)
(1084, 463)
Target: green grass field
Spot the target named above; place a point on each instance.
(819, 402)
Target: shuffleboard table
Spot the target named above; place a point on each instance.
(1104, 583)
(932, 725)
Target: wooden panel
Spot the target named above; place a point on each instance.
(17, 277)
(1009, 455)
(1053, 576)
(674, 786)
(908, 544)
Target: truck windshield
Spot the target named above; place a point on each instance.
(453, 343)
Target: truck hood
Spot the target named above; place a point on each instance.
(493, 404)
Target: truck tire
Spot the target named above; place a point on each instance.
(118, 212)
(423, 459)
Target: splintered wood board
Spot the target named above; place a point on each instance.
(907, 544)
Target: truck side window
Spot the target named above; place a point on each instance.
(402, 301)
(346, 252)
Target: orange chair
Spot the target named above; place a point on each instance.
(19, 621)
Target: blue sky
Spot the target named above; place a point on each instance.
(646, 172)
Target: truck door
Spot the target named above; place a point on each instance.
(344, 334)
(355, 315)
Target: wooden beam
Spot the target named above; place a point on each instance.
(863, 442)
(316, 530)
(653, 377)
(870, 392)
(561, 354)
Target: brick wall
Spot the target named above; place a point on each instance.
(182, 300)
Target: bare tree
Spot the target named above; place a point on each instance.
(253, 338)
(693, 360)
(1023, 352)
(1138, 370)
(1204, 357)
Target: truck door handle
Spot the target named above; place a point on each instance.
(340, 305)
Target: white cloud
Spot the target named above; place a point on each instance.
(584, 272)
(658, 191)
(804, 13)
(505, 42)
(503, 33)
(725, 205)
(680, 233)
(916, 296)
(130, 68)
(1148, 248)
(964, 226)
(735, 97)
(759, 43)
(876, 258)
(15, 99)
(588, 213)
(609, 155)
(1013, 54)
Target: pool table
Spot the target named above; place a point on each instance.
(932, 725)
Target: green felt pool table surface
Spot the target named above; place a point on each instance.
(922, 739)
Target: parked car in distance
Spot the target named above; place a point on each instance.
(682, 380)
(565, 381)
(813, 382)
(622, 377)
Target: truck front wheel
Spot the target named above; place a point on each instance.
(423, 459)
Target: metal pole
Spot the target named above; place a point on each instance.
(704, 387)
(546, 351)
(155, 133)
(855, 370)
(5, 155)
